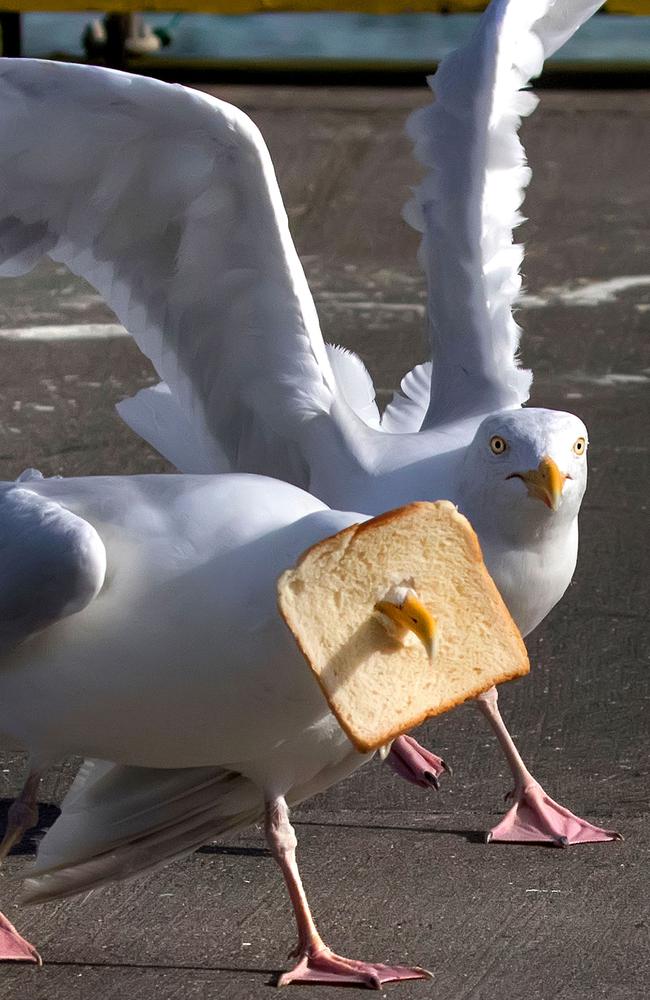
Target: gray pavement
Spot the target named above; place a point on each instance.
(394, 873)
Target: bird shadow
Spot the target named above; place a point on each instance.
(237, 852)
(48, 813)
(471, 836)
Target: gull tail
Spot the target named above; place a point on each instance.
(118, 822)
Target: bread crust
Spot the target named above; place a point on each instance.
(365, 746)
(503, 619)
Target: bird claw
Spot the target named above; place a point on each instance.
(536, 818)
(323, 966)
(415, 764)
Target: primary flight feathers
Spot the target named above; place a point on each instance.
(468, 204)
(166, 200)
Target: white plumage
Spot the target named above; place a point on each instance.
(147, 638)
(191, 558)
(166, 201)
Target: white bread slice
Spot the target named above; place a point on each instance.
(376, 687)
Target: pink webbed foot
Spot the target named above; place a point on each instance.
(536, 818)
(323, 967)
(415, 764)
(14, 947)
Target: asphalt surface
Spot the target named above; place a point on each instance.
(394, 873)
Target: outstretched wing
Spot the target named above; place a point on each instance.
(53, 563)
(468, 203)
(165, 200)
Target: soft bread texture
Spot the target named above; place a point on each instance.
(376, 687)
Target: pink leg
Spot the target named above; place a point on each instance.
(23, 814)
(534, 816)
(415, 764)
(317, 963)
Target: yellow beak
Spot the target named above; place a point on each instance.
(412, 616)
(545, 483)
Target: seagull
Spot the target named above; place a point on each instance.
(165, 200)
(126, 602)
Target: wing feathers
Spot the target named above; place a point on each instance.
(154, 414)
(354, 383)
(53, 562)
(166, 200)
(408, 407)
(118, 822)
(469, 201)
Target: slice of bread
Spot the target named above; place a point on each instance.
(377, 687)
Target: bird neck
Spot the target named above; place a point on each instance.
(529, 526)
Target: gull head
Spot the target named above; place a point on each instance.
(404, 616)
(525, 468)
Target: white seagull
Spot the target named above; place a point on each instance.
(139, 628)
(165, 199)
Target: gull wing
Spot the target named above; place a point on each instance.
(165, 199)
(53, 564)
(118, 822)
(468, 203)
(155, 415)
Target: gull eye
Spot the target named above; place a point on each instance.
(580, 446)
(498, 445)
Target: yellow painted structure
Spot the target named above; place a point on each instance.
(269, 6)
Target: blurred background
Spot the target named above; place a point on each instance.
(299, 38)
